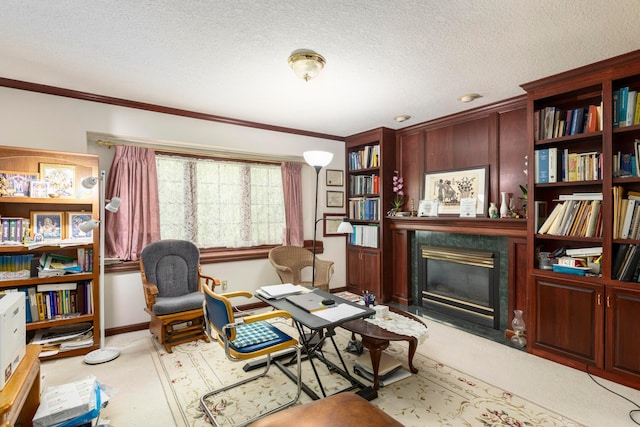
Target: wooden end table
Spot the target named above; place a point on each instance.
(20, 397)
(376, 339)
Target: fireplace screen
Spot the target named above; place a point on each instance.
(462, 283)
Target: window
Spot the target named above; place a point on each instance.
(219, 203)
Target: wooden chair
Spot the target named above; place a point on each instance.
(172, 283)
(247, 338)
(290, 261)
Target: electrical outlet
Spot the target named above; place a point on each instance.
(224, 285)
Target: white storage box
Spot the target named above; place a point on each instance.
(12, 334)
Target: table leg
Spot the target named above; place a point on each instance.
(375, 347)
(413, 346)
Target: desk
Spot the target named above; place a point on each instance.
(375, 339)
(312, 342)
(20, 397)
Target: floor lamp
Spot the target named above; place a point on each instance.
(320, 159)
(103, 354)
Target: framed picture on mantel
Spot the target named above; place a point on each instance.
(451, 186)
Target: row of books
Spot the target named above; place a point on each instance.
(569, 167)
(627, 164)
(367, 157)
(554, 122)
(14, 228)
(364, 184)
(58, 300)
(626, 263)
(578, 215)
(365, 208)
(626, 214)
(365, 235)
(15, 266)
(63, 338)
(626, 107)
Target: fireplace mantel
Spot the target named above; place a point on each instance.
(448, 224)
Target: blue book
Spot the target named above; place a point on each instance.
(542, 165)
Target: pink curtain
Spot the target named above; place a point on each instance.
(292, 189)
(133, 178)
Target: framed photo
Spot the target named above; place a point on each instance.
(335, 199)
(449, 187)
(48, 224)
(428, 208)
(331, 222)
(73, 221)
(334, 178)
(15, 183)
(38, 189)
(61, 179)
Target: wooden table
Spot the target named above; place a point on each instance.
(376, 339)
(20, 397)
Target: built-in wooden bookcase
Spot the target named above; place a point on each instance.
(65, 308)
(584, 321)
(370, 161)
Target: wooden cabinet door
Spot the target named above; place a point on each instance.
(353, 270)
(569, 321)
(623, 339)
(370, 273)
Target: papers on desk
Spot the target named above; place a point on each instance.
(280, 291)
(339, 312)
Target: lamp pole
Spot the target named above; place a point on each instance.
(317, 159)
(315, 229)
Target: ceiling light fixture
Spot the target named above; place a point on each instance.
(306, 64)
(402, 118)
(469, 97)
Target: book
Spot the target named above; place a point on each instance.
(592, 119)
(551, 219)
(622, 106)
(628, 216)
(578, 271)
(542, 165)
(57, 287)
(591, 251)
(631, 107)
(553, 164)
(280, 291)
(580, 196)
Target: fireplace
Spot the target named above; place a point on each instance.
(461, 282)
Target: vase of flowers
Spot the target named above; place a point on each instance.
(398, 193)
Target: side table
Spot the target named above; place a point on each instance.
(20, 397)
(376, 339)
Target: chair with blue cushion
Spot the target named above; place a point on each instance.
(172, 283)
(246, 338)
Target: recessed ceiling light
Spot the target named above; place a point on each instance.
(469, 97)
(402, 118)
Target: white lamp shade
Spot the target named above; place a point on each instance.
(113, 205)
(87, 226)
(318, 158)
(345, 227)
(90, 181)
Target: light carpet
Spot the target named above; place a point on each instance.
(438, 395)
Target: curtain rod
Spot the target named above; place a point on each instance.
(109, 141)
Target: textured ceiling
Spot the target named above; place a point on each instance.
(384, 57)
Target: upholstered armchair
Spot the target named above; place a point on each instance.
(290, 261)
(172, 284)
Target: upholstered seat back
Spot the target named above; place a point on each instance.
(172, 265)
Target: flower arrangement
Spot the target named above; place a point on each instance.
(465, 185)
(398, 185)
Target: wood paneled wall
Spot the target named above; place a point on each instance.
(494, 135)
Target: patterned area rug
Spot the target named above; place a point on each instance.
(437, 396)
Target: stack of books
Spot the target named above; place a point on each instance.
(390, 369)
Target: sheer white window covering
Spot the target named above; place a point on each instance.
(220, 203)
